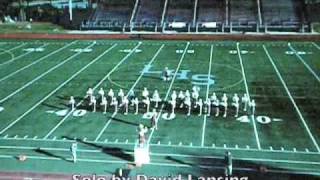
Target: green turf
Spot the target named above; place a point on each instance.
(179, 145)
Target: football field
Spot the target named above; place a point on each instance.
(37, 79)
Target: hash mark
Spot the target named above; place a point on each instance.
(307, 150)
(277, 120)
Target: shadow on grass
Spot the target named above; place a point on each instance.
(64, 104)
(215, 167)
(53, 106)
(178, 161)
(66, 98)
(124, 122)
(49, 154)
(112, 151)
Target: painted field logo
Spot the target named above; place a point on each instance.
(197, 79)
(6, 54)
(218, 80)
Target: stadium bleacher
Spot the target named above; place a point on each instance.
(111, 13)
(211, 11)
(243, 11)
(258, 15)
(148, 11)
(310, 9)
(282, 12)
(180, 11)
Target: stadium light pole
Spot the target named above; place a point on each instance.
(70, 10)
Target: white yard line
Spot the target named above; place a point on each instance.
(304, 63)
(42, 75)
(293, 171)
(97, 85)
(315, 45)
(105, 127)
(49, 95)
(116, 67)
(153, 154)
(170, 87)
(248, 93)
(158, 155)
(164, 145)
(165, 154)
(292, 100)
(131, 89)
(22, 55)
(223, 148)
(37, 61)
(8, 50)
(207, 96)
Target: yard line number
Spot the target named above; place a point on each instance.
(259, 119)
(64, 112)
(243, 119)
